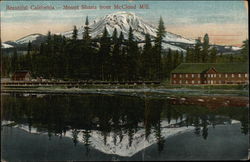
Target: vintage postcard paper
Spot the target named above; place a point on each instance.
(124, 80)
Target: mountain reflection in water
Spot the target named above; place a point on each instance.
(114, 124)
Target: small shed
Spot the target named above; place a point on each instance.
(23, 75)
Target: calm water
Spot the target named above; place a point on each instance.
(104, 127)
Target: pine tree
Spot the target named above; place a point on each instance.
(169, 63)
(14, 62)
(245, 51)
(86, 33)
(104, 55)
(115, 60)
(158, 47)
(28, 57)
(88, 57)
(213, 55)
(197, 50)
(181, 58)
(123, 72)
(75, 33)
(132, 56)
(189, 55)
(146, 59)
(175, 59)
(205, 49)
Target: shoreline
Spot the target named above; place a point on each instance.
(210, 99)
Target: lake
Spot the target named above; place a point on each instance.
(103, 127)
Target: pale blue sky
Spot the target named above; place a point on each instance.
(175, 14)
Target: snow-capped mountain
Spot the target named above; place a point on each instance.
(122, 21)
(5, 45)
(29, 38)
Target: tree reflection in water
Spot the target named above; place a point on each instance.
(118, 115)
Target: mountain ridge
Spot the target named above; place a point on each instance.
(122, 21)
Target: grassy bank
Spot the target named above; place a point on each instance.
(163, 85)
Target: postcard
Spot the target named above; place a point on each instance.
(124, 80)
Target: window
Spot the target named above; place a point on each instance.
(239, 75)
(205, 75)
(198, 75)
(199, 82)
(180, 75)
(245, 75)
(174, 75)
(232, 75)
(219, 81)
(180, 81)
(186, 82)
(192, 75)
(186, 75)
(192, 81)
(208, 75)
(174, 81)
(208, 81)
(215, 75)
(212, 75)
(219, 75)
(226, 75)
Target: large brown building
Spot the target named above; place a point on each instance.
(210, 73)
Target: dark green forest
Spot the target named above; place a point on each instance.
(110, 57)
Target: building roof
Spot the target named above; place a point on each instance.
(219, 67)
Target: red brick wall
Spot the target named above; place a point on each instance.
(211, 77)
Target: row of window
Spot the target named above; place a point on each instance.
(211, 75)
(199, 82)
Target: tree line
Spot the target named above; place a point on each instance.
(110, 57)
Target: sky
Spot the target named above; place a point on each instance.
(226, 22)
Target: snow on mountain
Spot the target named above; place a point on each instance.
(5, 45)
(122, 21)
(122, 147)
(234, 48)
(26, 39)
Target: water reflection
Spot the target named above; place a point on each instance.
(115, 124)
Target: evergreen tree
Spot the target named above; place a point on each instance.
(104, 55)
(245, 51)
(132, 56)
(75, 33)
(123, 65)
(158, 48)
(213, 55)
(115, 60)
(146, 59)
(86, 33)
(175, 59)
(189, 55)
(88, 56)
(197, 50)
(205, 49)
(181, 58)
(169, 63)
(14, 62)
(28, 58)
